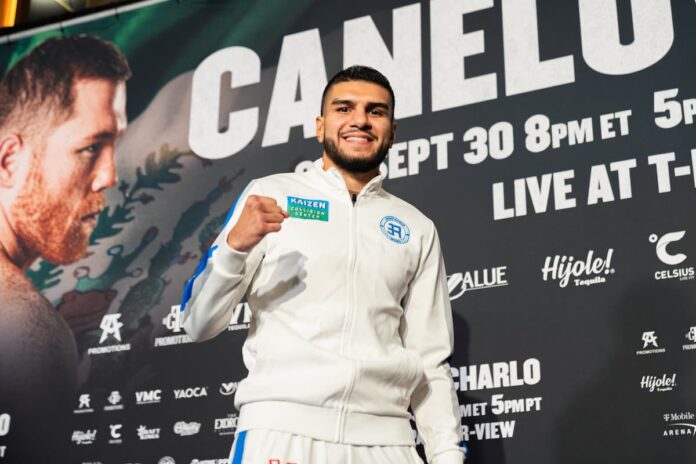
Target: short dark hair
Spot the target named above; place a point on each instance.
(359, 73)
(40, 86)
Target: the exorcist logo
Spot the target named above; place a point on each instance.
(679, 425)
(671, 256)
(582, 272)
(650, 345)
(459, 283)
(111, 329)
(172, 321)
(653, 383)
(226, 425)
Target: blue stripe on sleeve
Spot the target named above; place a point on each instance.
(239, 449)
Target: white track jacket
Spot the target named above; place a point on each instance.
(351, 322)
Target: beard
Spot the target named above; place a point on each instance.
(47, 224)
(352, 163)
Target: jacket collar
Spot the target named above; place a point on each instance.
(335, 179)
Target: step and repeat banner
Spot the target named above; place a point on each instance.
(552, 143)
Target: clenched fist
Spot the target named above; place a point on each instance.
(260, 216)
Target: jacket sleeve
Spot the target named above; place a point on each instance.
(427, 328)
(220, 280)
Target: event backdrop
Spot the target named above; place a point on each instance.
(552, 143)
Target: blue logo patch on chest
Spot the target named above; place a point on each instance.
(395, 229)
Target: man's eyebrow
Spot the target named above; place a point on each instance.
(351, 103)
(101, 136)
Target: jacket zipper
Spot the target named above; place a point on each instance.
(348, 322)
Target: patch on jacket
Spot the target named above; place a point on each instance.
(395, 229)
(303, 208)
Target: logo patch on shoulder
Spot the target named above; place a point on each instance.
(395, 229)
(303, 208)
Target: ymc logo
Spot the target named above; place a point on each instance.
(395, 229)
(110, 325)
(661, 247)
(649, 338)
(172, 321)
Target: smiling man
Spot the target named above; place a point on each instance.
(62, 107)
(351, 323)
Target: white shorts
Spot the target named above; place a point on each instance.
(260, 446)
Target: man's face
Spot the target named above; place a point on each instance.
(357, 128)
(72, 163)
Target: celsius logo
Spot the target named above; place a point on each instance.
(691, 336)
(585, 272)
(115, 434)
(148, 396)
(228, 388)
(171, 320)
(196, 392)
(459, 283)
(661, 247)
(671, 259)
(110, 326)
(661, 384)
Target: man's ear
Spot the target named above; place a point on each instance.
(320, 128)
(393, 135)
(12, 156)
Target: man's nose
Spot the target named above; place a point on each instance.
(105, 176)
(360, 118)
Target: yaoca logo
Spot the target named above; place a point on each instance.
(671, 258)
(191, 392)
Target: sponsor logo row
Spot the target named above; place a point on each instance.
(651, 345)
(116, 434)
(115, 401)
(171, 460)
(593, 267)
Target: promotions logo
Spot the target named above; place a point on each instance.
(226, 425)
(191, 392)
(115, 431)
(86, 437)
(584, 272)
(459, 283)
(395, 229)
(111, 328)
(83, 404)
(186, 429)
(241, 317)
(172, 321)
(4, 424)
(653, 383)
(114, 400)
(691, 336)
(148, 396)
(681, 424)
(650, 339)
(148, 434)
(671, 259)
(228, 388)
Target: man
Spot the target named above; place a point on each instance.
(62, 108)
(351, 319)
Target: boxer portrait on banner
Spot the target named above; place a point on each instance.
(62, 107)
(351, 322)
